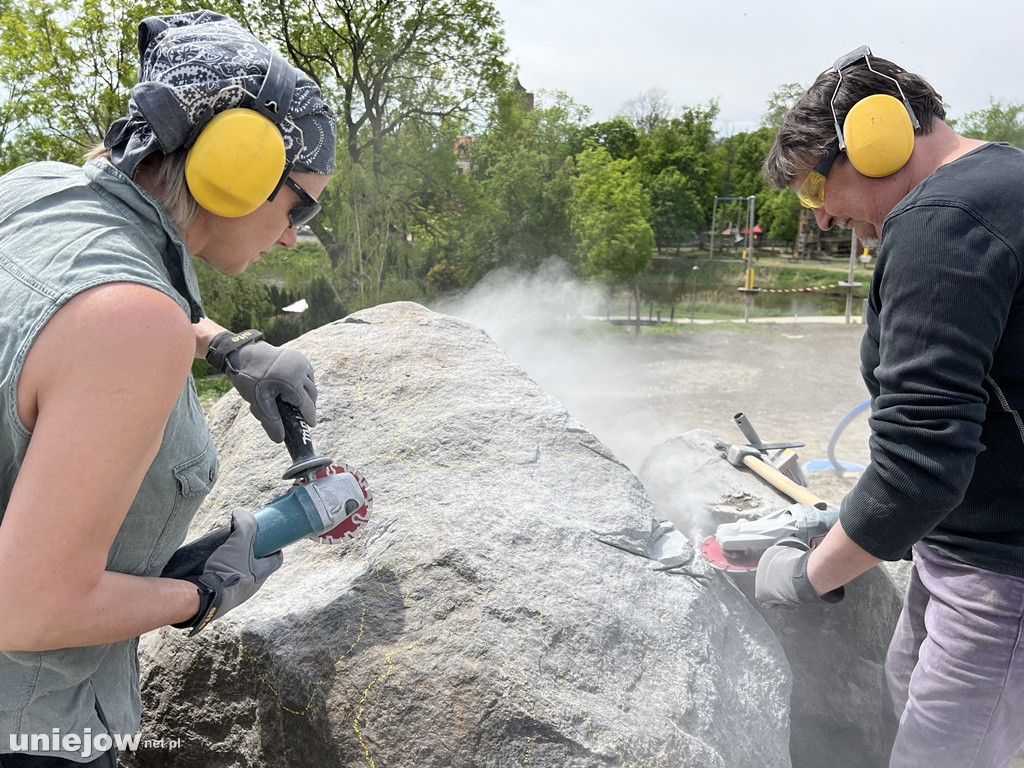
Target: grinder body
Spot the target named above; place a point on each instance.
(327, 501)
(307, 510)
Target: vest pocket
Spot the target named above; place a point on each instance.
(193, 480)
(197, 476)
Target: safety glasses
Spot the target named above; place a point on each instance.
(307, 208)
(812, 191)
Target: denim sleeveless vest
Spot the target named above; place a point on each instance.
(64, 229)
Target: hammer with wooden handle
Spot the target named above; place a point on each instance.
(750, 457)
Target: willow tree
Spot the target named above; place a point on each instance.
(386, 66)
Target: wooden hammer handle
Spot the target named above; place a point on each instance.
(782, 483)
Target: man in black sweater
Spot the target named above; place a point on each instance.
(867, 148)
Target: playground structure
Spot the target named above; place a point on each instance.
(749, 288)
(746, 235)
(747, 203)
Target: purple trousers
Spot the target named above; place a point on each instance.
(955, 667)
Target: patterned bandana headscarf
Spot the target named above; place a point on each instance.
(186, 63)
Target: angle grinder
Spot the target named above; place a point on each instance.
(327, 502)
(738, 546)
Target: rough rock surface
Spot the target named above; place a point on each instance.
(839, 713)
(513, 600)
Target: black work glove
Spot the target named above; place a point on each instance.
(782, 576)
(232, 574)
(261, 373)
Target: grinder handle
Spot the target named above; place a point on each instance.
(296, 432)
(190, 559)
(299, 443)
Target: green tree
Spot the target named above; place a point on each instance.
(234, 301)
(370, 213)
(65, 69)
(677, 166)
(388, 63)
(520, 179)
(779, 213)
(400, 73)
(398, 224)
(65, 72)
(324, 306)
(618, 136)
(741, 157)
(609, 211)
(780, 101)
(997, 122)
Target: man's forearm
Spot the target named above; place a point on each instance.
(837, 560)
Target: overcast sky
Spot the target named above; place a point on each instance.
(605, 52)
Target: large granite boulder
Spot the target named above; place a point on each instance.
(840, 711)
(515, 598)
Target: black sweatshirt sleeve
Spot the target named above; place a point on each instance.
(943, 286)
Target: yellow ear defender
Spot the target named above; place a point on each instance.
(238, 160)
(236, 163)
(879, 135)
(878, 132)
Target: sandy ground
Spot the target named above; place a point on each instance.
(794, 382)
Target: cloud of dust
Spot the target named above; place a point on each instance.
(540, 320)
(524, 311)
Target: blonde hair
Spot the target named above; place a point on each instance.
(171, 187)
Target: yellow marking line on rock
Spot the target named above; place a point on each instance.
(366, 693)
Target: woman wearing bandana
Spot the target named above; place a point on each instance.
(104, 451)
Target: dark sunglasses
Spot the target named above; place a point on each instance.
(307, 208)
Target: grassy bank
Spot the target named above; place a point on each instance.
(689, 283)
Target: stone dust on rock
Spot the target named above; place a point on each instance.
(739, 501)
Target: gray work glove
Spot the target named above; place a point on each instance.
(782, 576)
(261, 373)
(232, 574)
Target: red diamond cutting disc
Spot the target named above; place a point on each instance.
(712, 550)
(347, 528)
